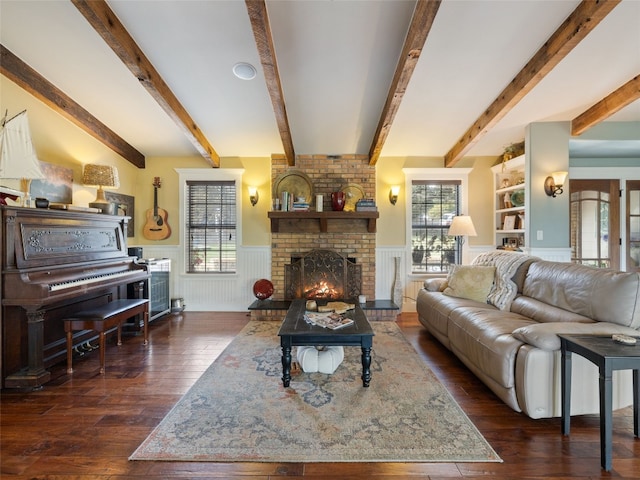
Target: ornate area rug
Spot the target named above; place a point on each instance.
(238, 411)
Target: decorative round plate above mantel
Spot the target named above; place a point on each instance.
(352, 192)
(296, 183)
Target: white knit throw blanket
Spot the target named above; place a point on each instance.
(504, 289)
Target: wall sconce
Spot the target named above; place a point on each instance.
(253, 195)
(393, 194)
(553, 183)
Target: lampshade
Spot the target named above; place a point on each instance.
(559, 178)
(462, 225)
(100, 176)
(554, 182)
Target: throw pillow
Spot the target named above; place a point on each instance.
(470, 281)
(504, 289)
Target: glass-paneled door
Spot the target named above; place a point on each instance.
(595, 224)
(633, 225)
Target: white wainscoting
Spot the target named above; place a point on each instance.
(411, 283)
(385, 270)
(234, 293)
(411, 294)
(209, 292)
(470, 252)
(552, 254)
(560, 254)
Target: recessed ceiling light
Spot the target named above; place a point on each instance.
(244, 71)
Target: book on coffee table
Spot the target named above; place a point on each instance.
(329, 320)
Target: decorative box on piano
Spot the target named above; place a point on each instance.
(55, 262)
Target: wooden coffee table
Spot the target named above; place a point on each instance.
(295, 331)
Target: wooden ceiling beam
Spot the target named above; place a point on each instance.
(27, 78)
(264, 41)
(109, 27)
(421, 22)
(615, 101)
(573, 30)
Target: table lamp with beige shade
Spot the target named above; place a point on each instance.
(18, 159)
(101, 176)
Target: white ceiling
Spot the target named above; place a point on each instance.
(336, 59)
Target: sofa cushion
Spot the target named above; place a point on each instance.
(510, 267)
(602, 295)
(470, 281)
(484, 336)
(545, 335)
(438, 307)
(544, 313)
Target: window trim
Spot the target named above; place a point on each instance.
(437, 174)
(209, 175)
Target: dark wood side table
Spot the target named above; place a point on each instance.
(608, 356)
(295, 331)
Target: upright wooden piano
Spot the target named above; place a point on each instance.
(55, 262)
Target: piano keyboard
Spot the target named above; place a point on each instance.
(88, 280)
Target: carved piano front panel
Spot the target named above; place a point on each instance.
(57, 239)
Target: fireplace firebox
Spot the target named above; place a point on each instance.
(322, 275)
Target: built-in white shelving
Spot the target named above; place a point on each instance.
(510, 208)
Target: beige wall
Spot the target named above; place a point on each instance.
(481, 199)
(255, 221)
(60, 142)
(392, 222)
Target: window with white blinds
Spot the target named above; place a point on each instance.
(211, 227)
(434, 203)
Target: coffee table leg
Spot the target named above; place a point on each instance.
(366, 366)
(286, 365)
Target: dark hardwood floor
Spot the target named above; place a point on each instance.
(86, 426)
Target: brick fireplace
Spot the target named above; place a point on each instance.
(351, 237)
(327, 174)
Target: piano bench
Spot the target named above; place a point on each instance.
(101, 319)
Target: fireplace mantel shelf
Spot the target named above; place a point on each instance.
(306, 222)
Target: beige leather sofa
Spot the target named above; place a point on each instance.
(511, 343)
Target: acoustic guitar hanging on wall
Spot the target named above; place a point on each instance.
(156, 227)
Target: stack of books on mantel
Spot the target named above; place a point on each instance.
(366, 205)
(300, 207)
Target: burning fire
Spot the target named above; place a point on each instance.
(323, 290)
